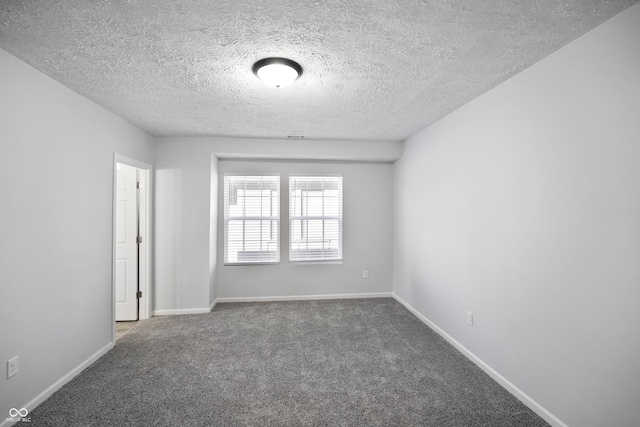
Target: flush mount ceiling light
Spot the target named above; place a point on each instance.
(277, 72)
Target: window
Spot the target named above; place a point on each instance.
(251, 219)
(315, 217)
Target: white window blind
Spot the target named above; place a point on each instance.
(251, 219)
(315, 218)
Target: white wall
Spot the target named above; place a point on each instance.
(367, 236)
(181, 228)
(283, 149)
(187, 264)
(56, 175)
(524, 208)
(213, 231)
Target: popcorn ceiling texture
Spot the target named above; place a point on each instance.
(373, 69)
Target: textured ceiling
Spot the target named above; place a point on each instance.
(373, 69)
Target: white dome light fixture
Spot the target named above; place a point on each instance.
(277, 72)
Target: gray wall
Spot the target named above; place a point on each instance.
(56, 175)
(187, 263)
(183, 246)
(523, 207)
(213, 231)
(367, 236)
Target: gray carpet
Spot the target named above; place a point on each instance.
(365, 362)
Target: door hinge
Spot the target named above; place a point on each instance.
(139, 294)
(138, 184)
(139, 239)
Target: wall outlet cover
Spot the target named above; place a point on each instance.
(12, 366)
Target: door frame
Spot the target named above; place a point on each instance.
(144, 263)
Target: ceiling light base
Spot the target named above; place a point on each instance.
(277, 72)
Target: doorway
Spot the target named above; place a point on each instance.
(131, 240)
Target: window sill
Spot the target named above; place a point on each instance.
(240, 264)
(336, 261)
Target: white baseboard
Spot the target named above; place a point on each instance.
(305, 297)
(181, 311)
(62, 381)
(185, 310)
(264, 299)
(505, 383)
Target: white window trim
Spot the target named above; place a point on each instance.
(226, 219)
(340, 220)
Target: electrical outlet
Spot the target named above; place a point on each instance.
(365, 274)
(12, 367)
(469, 318)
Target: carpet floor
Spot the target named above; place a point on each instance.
(367, 362)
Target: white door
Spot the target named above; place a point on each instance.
(126, 236)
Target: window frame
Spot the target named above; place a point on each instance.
(340, 220)
(226, 218)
